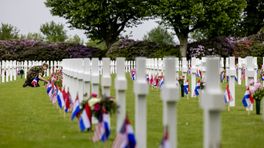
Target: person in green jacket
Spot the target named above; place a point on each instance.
(35, 74)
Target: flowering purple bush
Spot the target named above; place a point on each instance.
(37, 50)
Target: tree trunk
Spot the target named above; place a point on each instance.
(183, 44)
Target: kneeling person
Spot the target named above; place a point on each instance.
(35, 74)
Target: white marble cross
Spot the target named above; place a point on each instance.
(3, 71)
(120, 86)
(212, 103)
(170, 95)
(239, 72)
(193, 70)
(141, 90)
(184, 67)
(232, 81)
(106, 77)
(87, 76)
(95, 75)
(250, 73)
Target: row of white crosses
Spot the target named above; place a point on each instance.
(10, 69)
(79, 74)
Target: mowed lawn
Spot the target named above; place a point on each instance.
(29, 119)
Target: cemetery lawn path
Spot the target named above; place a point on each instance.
(28, 119)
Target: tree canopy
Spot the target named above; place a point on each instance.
(253, 19)
(213, 17)
(160, 35)
(8, 32)
(102, 20)
(53, 32)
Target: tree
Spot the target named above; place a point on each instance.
(53, 32)
(96, 44)
(212, 17)
(253, 19)
(8, 32)
(160, 35)
(102, 20)
(75, 40)
(35, 36)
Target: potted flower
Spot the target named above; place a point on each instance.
(258, 95)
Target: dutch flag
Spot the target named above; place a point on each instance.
(247, 99)
(85, 118)
(227, 95)
(102, 129)
(34, 83)
(222, 76)
(125, 138)
(262, 77)
(161, 82)
(76, 109)
(197, 88)
(133, 74)
(49, 88)
(186, 87)
(60, 99)
(165, 140)
(198, 73)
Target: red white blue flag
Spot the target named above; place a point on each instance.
(85, 120)
(60, 99)
(248, 99)
(197, 88)
(125, 138)
(227, 95)
(186, 87)
(102, 129)
(34, 82)
(76, 109)
(165, 140)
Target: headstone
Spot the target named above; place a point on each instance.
(212, 103)
(239, 71)
(87, 77)
(141, 90)
(25, 68)
(15, 70)
(232, 80)
(80, 77)
(184, 67)
(7, 71)
(193, 70)
(255, 61)
(170, 95)
(120, 86)
(3, 71)
(250, 73)
(95, 76)
(177, 67)
(106, 78)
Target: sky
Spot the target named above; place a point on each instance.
(28, 15)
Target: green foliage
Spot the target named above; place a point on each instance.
(34, 36)
(8, 32)
(102, 20)
(257, 50)
(53, 32)
(131, 49)
(75, 40)
(253, 17)
(160, 35)
(212, 17)
(97, 44)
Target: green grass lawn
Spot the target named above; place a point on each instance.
(28, 119)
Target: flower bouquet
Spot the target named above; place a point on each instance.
(258, 94)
